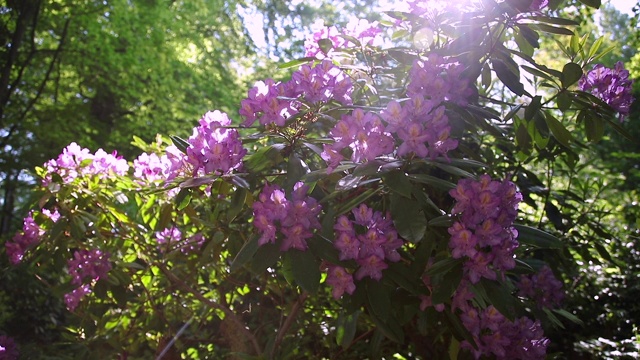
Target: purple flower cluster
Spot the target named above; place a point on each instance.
(72, 299)
(86, 264)
(543, 288)
(8, 348)
(438, 79)
(171, 238)
(612, 86)
(295, 219)
(71, 164)
(496, 335)
(364, 133)
(22, 241)
(214, 149)
(421, 122)
(484, 233)
(366, 32)
(340, 280)
(274, 103)
(370, 239)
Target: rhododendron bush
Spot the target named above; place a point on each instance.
(370, 205)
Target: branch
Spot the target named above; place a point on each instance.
(228, 313)
(289, 320)
(25, 12)
(49, 70)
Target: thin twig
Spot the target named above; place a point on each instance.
(289, 320)
(227, 312)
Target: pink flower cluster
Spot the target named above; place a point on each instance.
(366, 32)
(71, 164)
(275, 103)
(86, 264)
(612, 86)
(364, 133)
(171, 238)
(295, 219)
(24, 240)
(543, 288)
(495, 335)
(484, 233)
(370, 239)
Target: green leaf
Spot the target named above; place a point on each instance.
(266, 256)
(594, 127)
(443, 266)
(564, 101)
(555, 20)
(499, 295)
(538, 238)
(368, 168)
(296, 62)
(512, 112)
(558, 130)
(408, 218)
(571, 73)
(453, 170)
(553, 29)
(197, 182)
(569, 316)
(390, 328)
(346, 328)
(444, 289)
(180, 143)
(379, 299)
(458, 328)
(348, 182)
(245, 254)
(444, 220)
(183, 199)
(296, 169)
(596, 46)
(356, 201)
(532, 109)
(523, 139)
(263, 159)
(325, 45)
(621, 131)
(536, 72)
(399, 183)
(306, 270)
(402, 275)
(530, 35)
(508, 77)
(237, 181)
(237, 203)
(592, 3)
